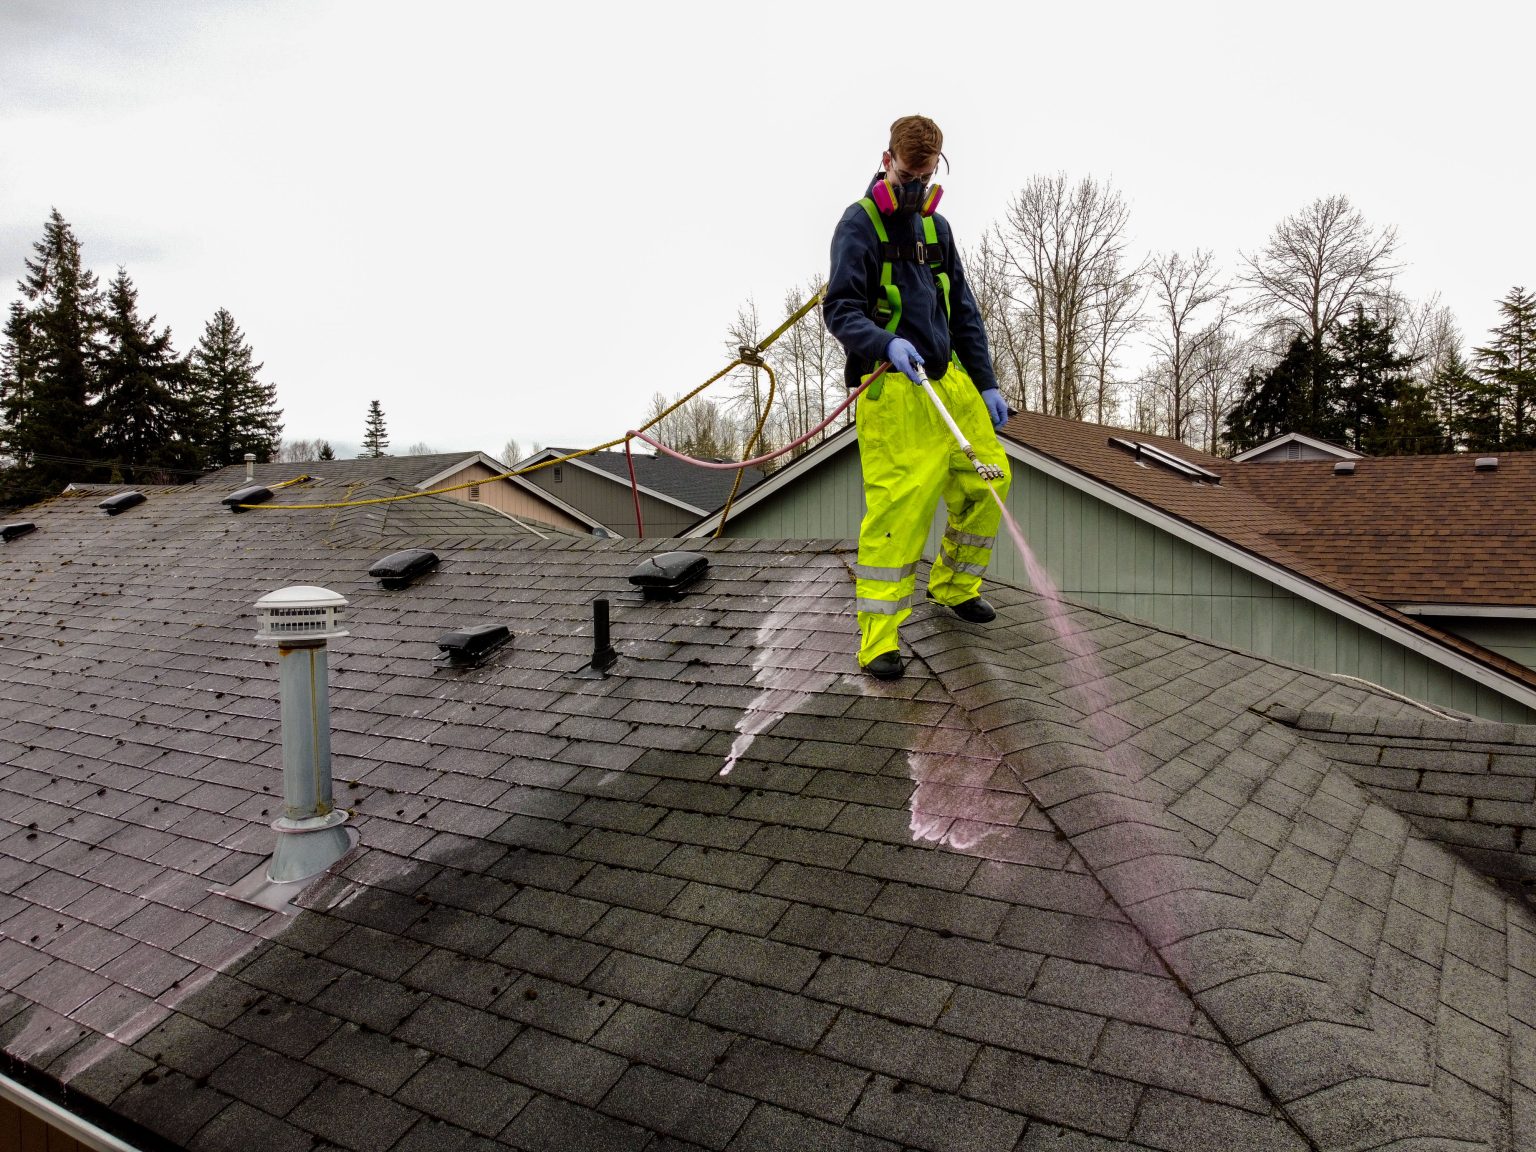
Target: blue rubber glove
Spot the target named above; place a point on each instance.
(997, 407)
(903, 357)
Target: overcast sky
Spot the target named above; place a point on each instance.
(524, 220)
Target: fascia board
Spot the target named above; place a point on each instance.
(1275, 573)
(1495, 611)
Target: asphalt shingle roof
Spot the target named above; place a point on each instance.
(735, 896)
(703, 488)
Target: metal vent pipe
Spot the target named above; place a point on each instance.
(310, 832)
(250, 465)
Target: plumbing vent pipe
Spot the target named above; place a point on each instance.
(250, 494)
(667, 576)
(310, 836)
(10, 531)
(250, 465)
(123, 501)
(400, 569)
(1486, 463)
(603, 654)
(1344, 468)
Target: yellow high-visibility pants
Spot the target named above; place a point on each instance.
(909, 459)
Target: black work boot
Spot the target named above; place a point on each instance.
(974, 611)
(886, 666)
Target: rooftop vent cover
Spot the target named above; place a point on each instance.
(1486, 463)
(666, 576)
(10, 531)
(303, 612)
(469, 646)
(399, 569)
(250, 494)
(123, 501)
(1146, 453)
(1344, 468)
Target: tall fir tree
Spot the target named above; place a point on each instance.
(238, 413)
(1276, 402)
(1369, 378)
(1466, 406)
(143, 412)
(52, 340)
(1508, 364)
(376, 437)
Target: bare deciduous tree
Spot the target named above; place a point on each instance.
(299, 451)
(1064, 245)
(808, 362)
(1182, 288)
(699, 428)
(1316, 266)
(1116, 302)
(1010, 332)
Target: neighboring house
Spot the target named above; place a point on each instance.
(462, 472)
(672, 494)
(735, 895)
(1194, 543)
(1294, 446)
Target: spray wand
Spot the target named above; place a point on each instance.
(985, 471)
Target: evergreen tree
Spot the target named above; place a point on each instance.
(51, 346)
(1277, 402)
(1411, 427)
(239, 413)
(1368, 378)
(326, 451)
(143, 413)
(375, 439)
(1466, 406)
(1508, 363)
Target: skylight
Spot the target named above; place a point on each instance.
(1145, 452)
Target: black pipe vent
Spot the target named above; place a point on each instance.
(9, 532)
(604, 655)
(470, 646)
(250, 494)
(667, 576)
(123, 501)
(400, 569)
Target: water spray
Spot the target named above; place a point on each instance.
(986, 471)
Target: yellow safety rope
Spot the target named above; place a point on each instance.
(749, 355)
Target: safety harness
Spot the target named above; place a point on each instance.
(928, 251)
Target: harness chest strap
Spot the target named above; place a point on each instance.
(928, 251)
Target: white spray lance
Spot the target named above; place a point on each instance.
(984, 470)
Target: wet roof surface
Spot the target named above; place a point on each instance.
(735, 895)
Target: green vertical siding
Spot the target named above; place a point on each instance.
(1103, 556)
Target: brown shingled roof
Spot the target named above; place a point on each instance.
(1373, 559)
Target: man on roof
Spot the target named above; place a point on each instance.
(897, 293)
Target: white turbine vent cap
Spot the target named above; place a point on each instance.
(303, 612)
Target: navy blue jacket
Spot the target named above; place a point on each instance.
(854, 286)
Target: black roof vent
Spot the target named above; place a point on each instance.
(1486, 463)
(123, 501)
(1344, 468)
(250, 494)
(399, 569)
(603, 654)
(470, 646)
(666, 576)
(10, 531)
